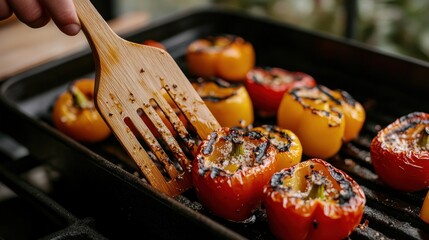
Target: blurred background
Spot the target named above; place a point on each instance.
(394, 26)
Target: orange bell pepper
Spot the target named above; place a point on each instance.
(230, 103)
(313, 200)
(75, 115)
(424, 212)
(287, 143)
(319, 117)
(227, 56)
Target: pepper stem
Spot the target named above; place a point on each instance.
(79, 98)
(317, 191)
(317, 182)
(424, 138)
(237, 149)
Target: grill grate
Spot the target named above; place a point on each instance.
(26, 211)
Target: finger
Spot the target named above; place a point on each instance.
(63, 13)
(29, 12)
(5, 11)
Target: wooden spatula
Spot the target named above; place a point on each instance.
(130, 79)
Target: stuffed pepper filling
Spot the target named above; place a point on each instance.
(313, 182)
(226, 154)
(411, 134)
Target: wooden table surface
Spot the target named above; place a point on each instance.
(23, 48)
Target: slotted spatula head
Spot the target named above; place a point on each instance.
(130, 80)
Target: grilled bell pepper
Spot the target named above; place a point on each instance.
(400, 153)
(318, 116)
(75, 115)
(424, 212)
(229, 103)
(313, 200)
(226, 56)
(273, 82)
(287, 143)
(354, 114)
(230, 171)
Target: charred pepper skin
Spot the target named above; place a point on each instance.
(75, 115)
(400, 153)
(230, 103)
(315, 117)
(226, 56)
(273, 82)
(228, 187)
(321, 118)
(313, 200)
(289, 148)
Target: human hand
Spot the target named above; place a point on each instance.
(37, 13)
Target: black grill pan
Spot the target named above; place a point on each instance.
(106, 181)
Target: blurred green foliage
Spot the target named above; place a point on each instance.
(396, 26)
(399, 26)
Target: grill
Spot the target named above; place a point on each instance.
(30, 213)
(98, 192)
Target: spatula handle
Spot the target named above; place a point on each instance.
(98, 33)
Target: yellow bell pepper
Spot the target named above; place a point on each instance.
(353, 112)
(229, 103)
(289, 148)
(424, 212)
(319, 117)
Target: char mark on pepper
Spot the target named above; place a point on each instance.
(209, 147)
(260, 151)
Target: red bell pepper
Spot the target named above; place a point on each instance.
(400, 153)
(266, 87)
(230, 170)
(313, 200)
